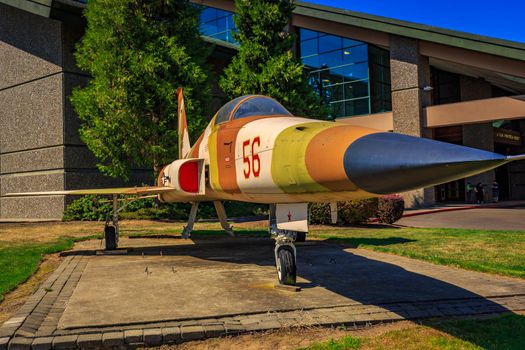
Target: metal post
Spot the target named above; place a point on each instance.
(115, 214)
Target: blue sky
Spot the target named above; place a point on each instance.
(499, 19)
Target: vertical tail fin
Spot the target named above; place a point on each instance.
(184, 137)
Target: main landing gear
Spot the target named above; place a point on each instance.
(221, 214)
(111, 227)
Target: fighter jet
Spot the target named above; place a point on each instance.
(254, 150)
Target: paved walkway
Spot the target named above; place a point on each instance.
(172, 291)
(483, 218)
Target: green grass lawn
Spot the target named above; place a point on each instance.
(19, 261)
(499, 333)
(498, 252)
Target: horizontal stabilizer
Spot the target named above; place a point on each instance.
(100, 191)
(514, 158)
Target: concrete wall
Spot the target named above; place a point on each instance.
(31, 113)
(40, 149)
(410, 72)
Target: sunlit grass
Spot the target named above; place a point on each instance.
(497, 333)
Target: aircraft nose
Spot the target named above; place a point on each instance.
(384, 163)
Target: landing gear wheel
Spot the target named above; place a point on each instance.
(286, 269)
(110, 237)
(300, 237)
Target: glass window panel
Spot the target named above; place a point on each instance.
(222, 36)
(331, 59)
(222, 24)
(329, 43)
(356, 71)
(208, 14)
(209, 28)
(231, 23)
(338, 109)
(357, 89)
(340, 73)
(223, 13)
(305, 34)
(309, 47)
(337, 92)
(355, 54)
(217, 24)
(312, 61)
(357, 107)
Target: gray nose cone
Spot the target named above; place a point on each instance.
(384, 163)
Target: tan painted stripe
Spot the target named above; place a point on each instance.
(325, 153)
(194, 153)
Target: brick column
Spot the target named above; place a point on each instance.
(478, 135)
(409, 73)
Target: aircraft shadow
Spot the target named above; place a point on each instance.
(328, 265)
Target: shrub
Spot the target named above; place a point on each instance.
(96, 208)
(348, 213)
(357, 211)
(390, 209)
(320, 213)
(89, 208)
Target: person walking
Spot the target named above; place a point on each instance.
(480, 193)
(495, 191)
(469, 189)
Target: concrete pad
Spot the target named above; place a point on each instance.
(221, 277)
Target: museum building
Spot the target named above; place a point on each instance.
(373, 71)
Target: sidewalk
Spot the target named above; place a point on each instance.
(458, 206)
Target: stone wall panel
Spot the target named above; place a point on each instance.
(30, 46)
(33, 160)
(42, 207)
(32, 182)
(32, 115)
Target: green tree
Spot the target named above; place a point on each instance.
(265, 63)
(138, 53)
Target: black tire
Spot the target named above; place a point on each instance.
(110, 236)
(286, 269)
(300, 237)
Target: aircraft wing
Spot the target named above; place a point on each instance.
(144, 190)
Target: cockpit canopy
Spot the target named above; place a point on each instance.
(249, 106)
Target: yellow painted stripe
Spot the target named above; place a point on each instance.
(214, 164)
(289, 170)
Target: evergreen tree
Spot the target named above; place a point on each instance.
(138, 53)
(265, 63)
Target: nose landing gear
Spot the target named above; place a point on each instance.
(285, 260)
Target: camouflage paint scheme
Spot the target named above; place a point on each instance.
(276, 159)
